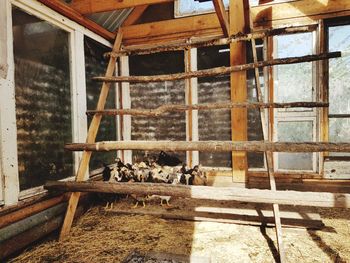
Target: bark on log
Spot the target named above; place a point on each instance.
(144, 50)
(218, 70)
(210, 193)
(205, 106)
(211, 146)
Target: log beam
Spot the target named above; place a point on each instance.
(211, 146)
(134, 15)
(218, 70)
(205, 106)
(95, 6)
(150, 49)
(209, 193)
(222, 16)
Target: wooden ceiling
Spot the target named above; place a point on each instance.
(266, 15)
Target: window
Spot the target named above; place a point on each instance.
(43, 100)
(339, 86)
(295, 83)
(152, 95)
(96, 65)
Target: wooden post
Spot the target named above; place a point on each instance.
(238, 89)
(93, 129)
(222, 16)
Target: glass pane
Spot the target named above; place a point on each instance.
(43, 100)
(295, 131)
(96, 65)
(152, 95)
(216, 124)
(294, 82)
(339, 131)
(339, 75)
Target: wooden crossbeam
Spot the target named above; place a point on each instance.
(164, 109)
(134, 15)
(65, 10)
(318, 199)
(150, 49)
(211, 146)
(222, 16)
(92, 132)
(219, 70)
(95, 6)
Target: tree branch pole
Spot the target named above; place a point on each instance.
(144, 50)
(211, 146)
(209, 193)
(218, 70)
(206, 106)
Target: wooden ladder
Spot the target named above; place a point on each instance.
(91, 137)
(268, 155)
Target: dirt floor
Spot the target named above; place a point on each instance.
(107, 236)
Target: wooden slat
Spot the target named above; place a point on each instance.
(164, 109)
(65, 10)
(222, 16)
(211, 146)
(134, 15)
(92, 132)
(94, 6)
(234, 69)
(210, 193)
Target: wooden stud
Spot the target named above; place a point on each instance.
(92, 132)
(222, 16)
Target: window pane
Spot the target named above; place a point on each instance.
(339, 76)
(152, 95)
(96, 65)
(216, 124)
(43, 100)
(294, 82)
(295, 131)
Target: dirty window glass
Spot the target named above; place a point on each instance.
(43, 100)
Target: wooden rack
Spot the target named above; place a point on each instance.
(248, 195)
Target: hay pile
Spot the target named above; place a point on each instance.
(101, 236)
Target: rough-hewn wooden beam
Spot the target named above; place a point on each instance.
(211, 146)
(219, 70)
(205, 106)
(135, 15)
(222, 16)
(210, 193)
(94, 6)
(65, 10)
(300, 12)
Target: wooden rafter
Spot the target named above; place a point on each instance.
(222, 16)
(94, 6)
(65, 10)
(135, 15)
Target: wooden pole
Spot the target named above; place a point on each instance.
(205, 106)
(222, 16)
(240, 66)
(211, 146)
(92, 132)
(341, 200)
(144, 50)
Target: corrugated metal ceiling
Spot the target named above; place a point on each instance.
(111, 20)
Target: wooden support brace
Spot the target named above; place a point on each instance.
(235, 68)
(209, 193)
(222, 16)
(92, 132)
(211, 146)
